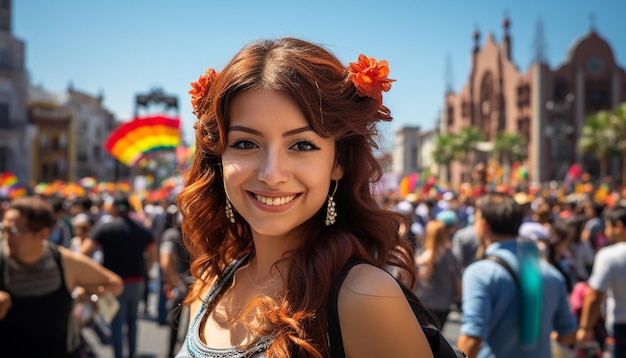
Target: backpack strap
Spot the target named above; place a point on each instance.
(506, 266)
(2, 267)
(439, 345)
(335, 342)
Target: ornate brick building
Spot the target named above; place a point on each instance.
(547, 106)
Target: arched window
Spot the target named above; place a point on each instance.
(486, 104)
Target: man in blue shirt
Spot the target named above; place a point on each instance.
(491, 299)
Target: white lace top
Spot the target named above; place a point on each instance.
(193, 345)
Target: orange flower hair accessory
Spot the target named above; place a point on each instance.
(200, 87)
(370, 77)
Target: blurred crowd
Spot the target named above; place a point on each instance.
(568, 229)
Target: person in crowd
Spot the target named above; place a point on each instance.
(464, 241)
(174, 261)
(82, 225)
(439, 276)
(450, 220)
(582, 251)
(524, 201)
(490, 324)
(127, 249)
(538, 233)
(558, 254)
(593, 231)
(36, 281)
(157, 222)
(61, 233)
(608, 279)
(277, 201)
(81, 205)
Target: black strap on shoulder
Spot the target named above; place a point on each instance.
(335, 342)
(506, 266)
(2, 266)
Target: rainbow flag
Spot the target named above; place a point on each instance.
(132, 140)
(8, 179)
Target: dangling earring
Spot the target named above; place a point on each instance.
(331, 215)
(229, 212)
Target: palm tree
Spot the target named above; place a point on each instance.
(444, 153)
(511, 148)
(600, 137)
(466, 141)
(617, 120)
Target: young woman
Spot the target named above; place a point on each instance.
(277, 201)
(439, 275)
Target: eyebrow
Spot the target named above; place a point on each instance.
(258, 133)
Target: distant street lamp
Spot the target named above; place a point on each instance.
(558, 131)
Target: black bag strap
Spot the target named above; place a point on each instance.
(2, 266)
(506, 266)
(335, 342)
(430, 326)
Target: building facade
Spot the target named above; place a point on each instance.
(91, 125)
(51, 143)
(547, 106)
(406, 151)
(16, 133)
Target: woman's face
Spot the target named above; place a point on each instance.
(277, 170)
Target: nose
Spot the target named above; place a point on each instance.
(273, 168)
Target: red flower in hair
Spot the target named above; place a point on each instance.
(200, 87)
(370, 77)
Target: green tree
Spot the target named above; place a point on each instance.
(444, 153)
(600, 137)
(465, 144)
(510, 148)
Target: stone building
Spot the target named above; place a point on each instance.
(546, 105)
(51, 144)
(15, 132)
(91, 125)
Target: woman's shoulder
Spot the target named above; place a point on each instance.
(375, 316)
(368, 280)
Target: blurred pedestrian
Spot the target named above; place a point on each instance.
(439, 275)
(491, 299)
(128, 249)
(36, 281)
(608, 279)
(175, 262)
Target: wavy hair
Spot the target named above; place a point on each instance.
(319, 84)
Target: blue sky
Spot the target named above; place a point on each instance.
(122, 48)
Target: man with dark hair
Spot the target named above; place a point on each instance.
(36, 281)
(608, 277)
(492, 299)
(128, 249)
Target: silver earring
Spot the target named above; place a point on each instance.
(229, 212)
(331, 214)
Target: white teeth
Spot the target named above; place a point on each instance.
(274, 201)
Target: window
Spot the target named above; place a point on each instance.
(523, 126)
(450, 116)
(5, 59)
(523, 96)
(465, 109)
(5, 121)
(4, 155)
(597, 96)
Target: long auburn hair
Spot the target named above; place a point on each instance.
(319, 85)
(435, 237)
